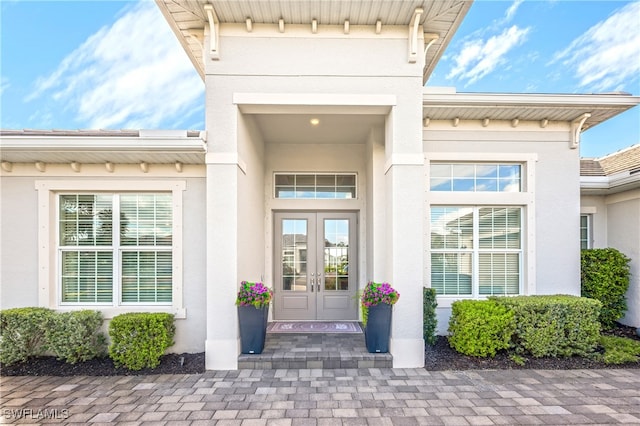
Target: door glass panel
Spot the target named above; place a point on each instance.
(294, 254)
(336, 254)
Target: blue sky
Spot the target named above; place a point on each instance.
(117, 65)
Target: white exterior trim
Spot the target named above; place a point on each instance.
(48, 288)
(226, 158)
(303, 103)
(403, 160)
(524, 199)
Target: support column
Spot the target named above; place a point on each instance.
(405, 241)
(405, 187)
(222, 346)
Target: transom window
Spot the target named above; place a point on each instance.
(476, 250)
(115, 249)
(315, 185)
(476, 177)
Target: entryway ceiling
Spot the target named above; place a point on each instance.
(331, 128)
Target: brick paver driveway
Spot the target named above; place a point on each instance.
(330, 397)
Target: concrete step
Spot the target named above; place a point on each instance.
(314, 350)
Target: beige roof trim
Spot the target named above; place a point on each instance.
(446, 104)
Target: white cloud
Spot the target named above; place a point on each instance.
(511, 11)
(607, 56)
(132, 74)
(477, 58)
(4, 84)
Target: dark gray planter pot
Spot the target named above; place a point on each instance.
(378, 328)
(253, 328)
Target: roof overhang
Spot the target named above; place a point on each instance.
(446, 104)
(439, 19)
(91, 147)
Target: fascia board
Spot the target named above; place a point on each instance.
(606, 184)
(99, 144)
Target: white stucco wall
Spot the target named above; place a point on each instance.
(19, 257)
(616, 224)
(251, 230)
(623, 220)
(18, 243)
(552, 262)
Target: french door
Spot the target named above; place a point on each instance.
(315, 266)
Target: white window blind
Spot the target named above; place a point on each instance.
(476, 250)
(116, 248)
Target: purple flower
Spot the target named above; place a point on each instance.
(376, 293)
(254, 294)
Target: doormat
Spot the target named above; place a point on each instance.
(314, 327)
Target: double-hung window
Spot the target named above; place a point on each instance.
(115, 248)
(476, 250)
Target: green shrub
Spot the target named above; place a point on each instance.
(22, 333)
(138, 340)
(75, 336)
(619, 350)
(604, 275)
(555, 325)
(480, 327)
(429, 320)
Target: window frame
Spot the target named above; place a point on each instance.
(476, 250)
(49, 258)
(524, 199)
(589, 228)
(115, 248)
(476, 178)
(315, 185)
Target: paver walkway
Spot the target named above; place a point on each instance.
(329, 397)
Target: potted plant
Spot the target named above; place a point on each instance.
(378, 299)
(253, 311)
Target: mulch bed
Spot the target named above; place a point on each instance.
(442, 357)
(438, 357)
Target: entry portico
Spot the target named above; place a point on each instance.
(355, 68)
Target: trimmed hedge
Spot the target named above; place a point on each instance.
(429, 320)
(139, 339)
(604, 275)
(556, 325)
(75, 336)
(480, 327)
(23, 333)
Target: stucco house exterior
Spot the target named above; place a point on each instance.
(325, 163)
(610, 213)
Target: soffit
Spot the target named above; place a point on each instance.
(526, 107)
(442, 17)
(331, 129)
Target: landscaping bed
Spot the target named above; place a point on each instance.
(442, 357)
(437, 357)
